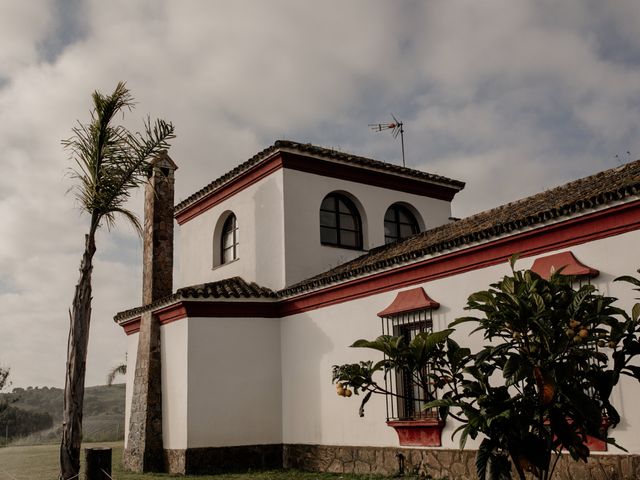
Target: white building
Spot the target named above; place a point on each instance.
(289, 258)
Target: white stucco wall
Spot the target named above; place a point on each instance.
(173, 348)
(234, 382)
(259, 213)
(174, 343)
(280, 213)
(304, 192)
(314, 341)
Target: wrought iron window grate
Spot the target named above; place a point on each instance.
(409, 391)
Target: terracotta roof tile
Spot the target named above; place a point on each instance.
(574, 197)
(234, 287)
(307, 148)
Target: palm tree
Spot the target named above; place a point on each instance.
(110, 162)
(117, 370)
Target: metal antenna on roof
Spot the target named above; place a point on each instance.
(396, 128)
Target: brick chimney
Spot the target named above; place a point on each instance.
(157, 270)
(145, 452)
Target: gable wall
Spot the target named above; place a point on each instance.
(259, 212)
(304, 192)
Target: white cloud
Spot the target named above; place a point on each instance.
(510, 96)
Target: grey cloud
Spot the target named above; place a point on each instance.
(510, 96)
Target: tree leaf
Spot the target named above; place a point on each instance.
(512, 260)
(628, 279)
(460, 320)
(512, 366)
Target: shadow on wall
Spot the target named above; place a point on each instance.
(267, 235)
(305, 375)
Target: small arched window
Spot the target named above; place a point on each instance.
(340, 223)
(229, 240)
(399, 223)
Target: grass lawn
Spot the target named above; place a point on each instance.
(41, 462)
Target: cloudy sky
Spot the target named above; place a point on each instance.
(510, 96)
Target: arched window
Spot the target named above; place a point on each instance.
(229, 240)
(399, 223)
(340, 223)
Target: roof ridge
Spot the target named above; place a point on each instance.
(316, 150)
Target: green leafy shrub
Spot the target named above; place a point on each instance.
(540, 384)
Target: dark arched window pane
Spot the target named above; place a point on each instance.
(229, 240)
(399, 223)
(340, 223)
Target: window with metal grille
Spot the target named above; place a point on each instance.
(410, 314)
(340, 223)
(229, 240)
(399, 223)
(407, 384)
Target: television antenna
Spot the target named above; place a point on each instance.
(397, 127)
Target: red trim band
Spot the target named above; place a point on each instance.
(316, 166)
(185, 308)
(598, 225)
(246, 179)
(605, 223)
(366, 176)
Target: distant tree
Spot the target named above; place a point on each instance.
(4, 374)
(110, 162)
(20, 422)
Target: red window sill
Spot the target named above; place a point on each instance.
(595, 444)
(418, 433)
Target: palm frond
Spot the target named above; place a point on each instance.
(110, 160)
(128, 215)
(117, 370)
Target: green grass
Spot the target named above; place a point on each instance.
(41, 463)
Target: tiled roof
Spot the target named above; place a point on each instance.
(610, 186)
(308, 149)
(234, 287)
(574, 197)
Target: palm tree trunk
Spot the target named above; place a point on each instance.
(80, 317)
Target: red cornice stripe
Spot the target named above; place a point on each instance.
(602, 224)
(184, 309)
(239, 183)
(368, 177)
(132, 326)
(316, 166)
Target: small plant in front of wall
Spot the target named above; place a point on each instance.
(431, 360)
(540, 384)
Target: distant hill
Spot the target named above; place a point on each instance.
(103, 411)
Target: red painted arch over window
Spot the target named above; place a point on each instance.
(545, 266)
